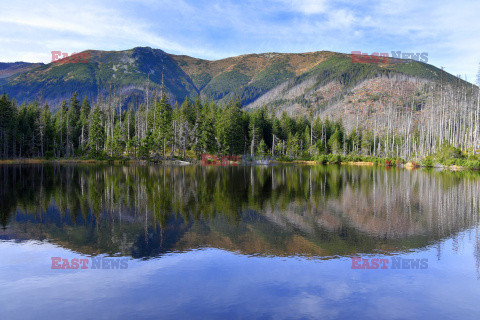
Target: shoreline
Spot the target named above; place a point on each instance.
(93, 161)
(407, 166)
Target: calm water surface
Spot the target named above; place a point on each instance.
(238, 242)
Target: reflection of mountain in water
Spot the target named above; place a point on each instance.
(312, 211)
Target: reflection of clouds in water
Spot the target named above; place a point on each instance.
(476, 253)
(388, 307)
(26, 252)
(317, 301)
(99, 290)
(322, 211)
(306, 305)
(194, 279)
(213, 283)
(335, 290)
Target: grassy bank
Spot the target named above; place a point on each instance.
(447, 157)
(455, 161)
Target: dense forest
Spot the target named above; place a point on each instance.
(158, 130)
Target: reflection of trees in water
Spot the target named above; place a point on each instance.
(392, 204)
(476, 252)
(146, 210)
(403, 204)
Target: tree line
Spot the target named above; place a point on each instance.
(156, 129)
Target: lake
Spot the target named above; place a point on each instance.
(284, 242)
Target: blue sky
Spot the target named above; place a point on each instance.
(448, 30)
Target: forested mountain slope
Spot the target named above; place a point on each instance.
(281, 81)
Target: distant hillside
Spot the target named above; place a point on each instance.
(281, 81)
(9, 69)
(247, 76)
(124, 73)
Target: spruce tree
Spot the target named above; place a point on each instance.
(207, 141)
(164, 130)
(96, 137)
(230, 130)
(83, 124)
(46, 131)
(7, 126)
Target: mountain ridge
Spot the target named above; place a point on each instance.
(252, 77)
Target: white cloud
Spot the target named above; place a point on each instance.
(66, 28)
(309, 6)
(341, 19)
(216, 29)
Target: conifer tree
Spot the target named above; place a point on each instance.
(336, 140)
(73, 122)
(83, 124)
(46, 131)
(230, 130)
(7, 126)
(96, 137)
(207, 141)
(163, 133)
